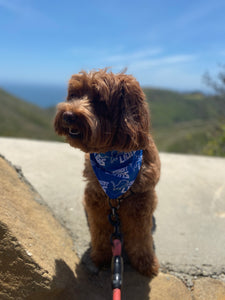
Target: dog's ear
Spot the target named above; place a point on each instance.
(101, 86)
(135, 119)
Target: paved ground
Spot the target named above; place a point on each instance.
(190, 217)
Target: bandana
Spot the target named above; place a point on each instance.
(116, 171)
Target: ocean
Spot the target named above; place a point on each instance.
(41, 95)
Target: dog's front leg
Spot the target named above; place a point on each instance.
(138, 241)
(100, 230)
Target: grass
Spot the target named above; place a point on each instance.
(19, 118)
(184, 123)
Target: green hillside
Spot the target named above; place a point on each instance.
(185, 123)
(182, 123)
(22, 119)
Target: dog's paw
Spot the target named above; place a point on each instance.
(147, 265)
(88, 262)
(100, 260)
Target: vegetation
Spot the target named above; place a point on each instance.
(23, 119)
(216, 144)
(185, 123)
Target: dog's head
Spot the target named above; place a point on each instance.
(104, 112)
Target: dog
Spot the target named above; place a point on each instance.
(106, 116)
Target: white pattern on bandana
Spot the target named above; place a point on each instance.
(116, 171)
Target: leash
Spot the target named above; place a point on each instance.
(116, 242)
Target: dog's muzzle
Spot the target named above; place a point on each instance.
(70, 121)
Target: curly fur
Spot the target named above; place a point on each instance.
(104, 112)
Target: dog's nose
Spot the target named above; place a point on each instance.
(69, 117)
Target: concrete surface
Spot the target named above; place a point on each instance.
(190, 217)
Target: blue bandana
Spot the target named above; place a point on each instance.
(116, 171)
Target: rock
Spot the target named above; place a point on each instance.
(208, 288)
(36, 256)
(166, 286)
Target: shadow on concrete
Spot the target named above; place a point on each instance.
(83, 284)
(87, 282)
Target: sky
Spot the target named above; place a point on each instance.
(167, 44)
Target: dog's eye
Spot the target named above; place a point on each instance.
(71, 96)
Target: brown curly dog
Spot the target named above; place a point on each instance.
(106, 116)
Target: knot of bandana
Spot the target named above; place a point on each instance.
(116, 171)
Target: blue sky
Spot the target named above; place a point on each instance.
(163, 43)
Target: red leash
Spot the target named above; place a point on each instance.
(117, 260)
(116, 294)
(117, 269)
